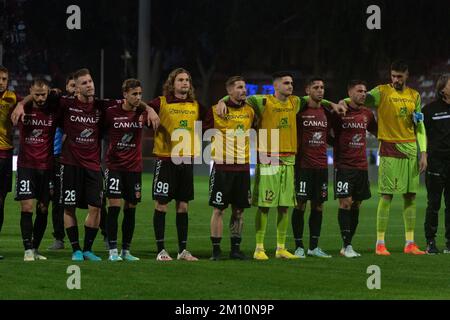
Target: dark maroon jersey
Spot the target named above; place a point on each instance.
(350, 138)
(37, 132)
(81, 125)
(125, 139)
(312, 133)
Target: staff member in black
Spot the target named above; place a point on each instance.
(437, 124)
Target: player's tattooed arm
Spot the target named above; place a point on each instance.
(221, 107)
(152, 117)
(19, 111)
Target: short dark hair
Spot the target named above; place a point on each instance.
(281, 74)
(354, 83)
(441, 83)
(4, 69)
(70, 77)
(399, 65)
(81, 73)
(231, 81)
(311, 80)
(130, 84)
(40, 83)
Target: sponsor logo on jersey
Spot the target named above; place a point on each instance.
(124, 143)
(36, 133)
(316, 139)
(86, 133)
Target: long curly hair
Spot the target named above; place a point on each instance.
(169, 88)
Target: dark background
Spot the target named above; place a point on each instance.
(217, 39)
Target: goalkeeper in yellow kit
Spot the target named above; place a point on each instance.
(400, 129)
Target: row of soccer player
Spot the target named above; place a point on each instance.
(303, 124)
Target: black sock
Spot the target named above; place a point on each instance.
(128, 224)
(103, 219)
(58, 220)
(112, 226)
(235, 244)
(26, 226)
(89, 237)
(2, 212)
(159, 225)
(40, 224)
(216, 244)
(354, 220)
(182, 230)
(344, 218)
(315, 226)
(298, 221)
(72, 234)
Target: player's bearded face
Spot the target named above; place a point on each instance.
(39, 95)
(85, 86)
(399, 79)
(358, 94)
(3, 81)
(182, 84)
(71, 87)
(316, 91)
(134, 96)
(239, 91)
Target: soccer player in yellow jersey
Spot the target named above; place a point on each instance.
(173, 178)
(274, 183)
(398, 132)
(230, 177)
(8, 100)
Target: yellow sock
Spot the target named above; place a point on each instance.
(260, 246)
(409, 236)
(380, 236)
(280, 246)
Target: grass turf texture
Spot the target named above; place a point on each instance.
(402, 276)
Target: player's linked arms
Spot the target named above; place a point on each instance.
(19, 111)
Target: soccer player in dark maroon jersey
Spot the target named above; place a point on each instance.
(351, 183)
(57, 208)
(34, 165)
(311, 168)
(124, 124)
(82, 182)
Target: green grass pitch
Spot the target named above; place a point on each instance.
(402, 276)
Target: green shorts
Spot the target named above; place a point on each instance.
(274, 186)
(398, 176)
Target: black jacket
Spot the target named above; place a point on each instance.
(437, 125)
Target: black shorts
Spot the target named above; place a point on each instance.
(5, 176)
(173, 182)
(81, 187)
(33, 184)
(229, 187)
(311, 184)
(351, 183)
(56, 181)
(124, 185)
